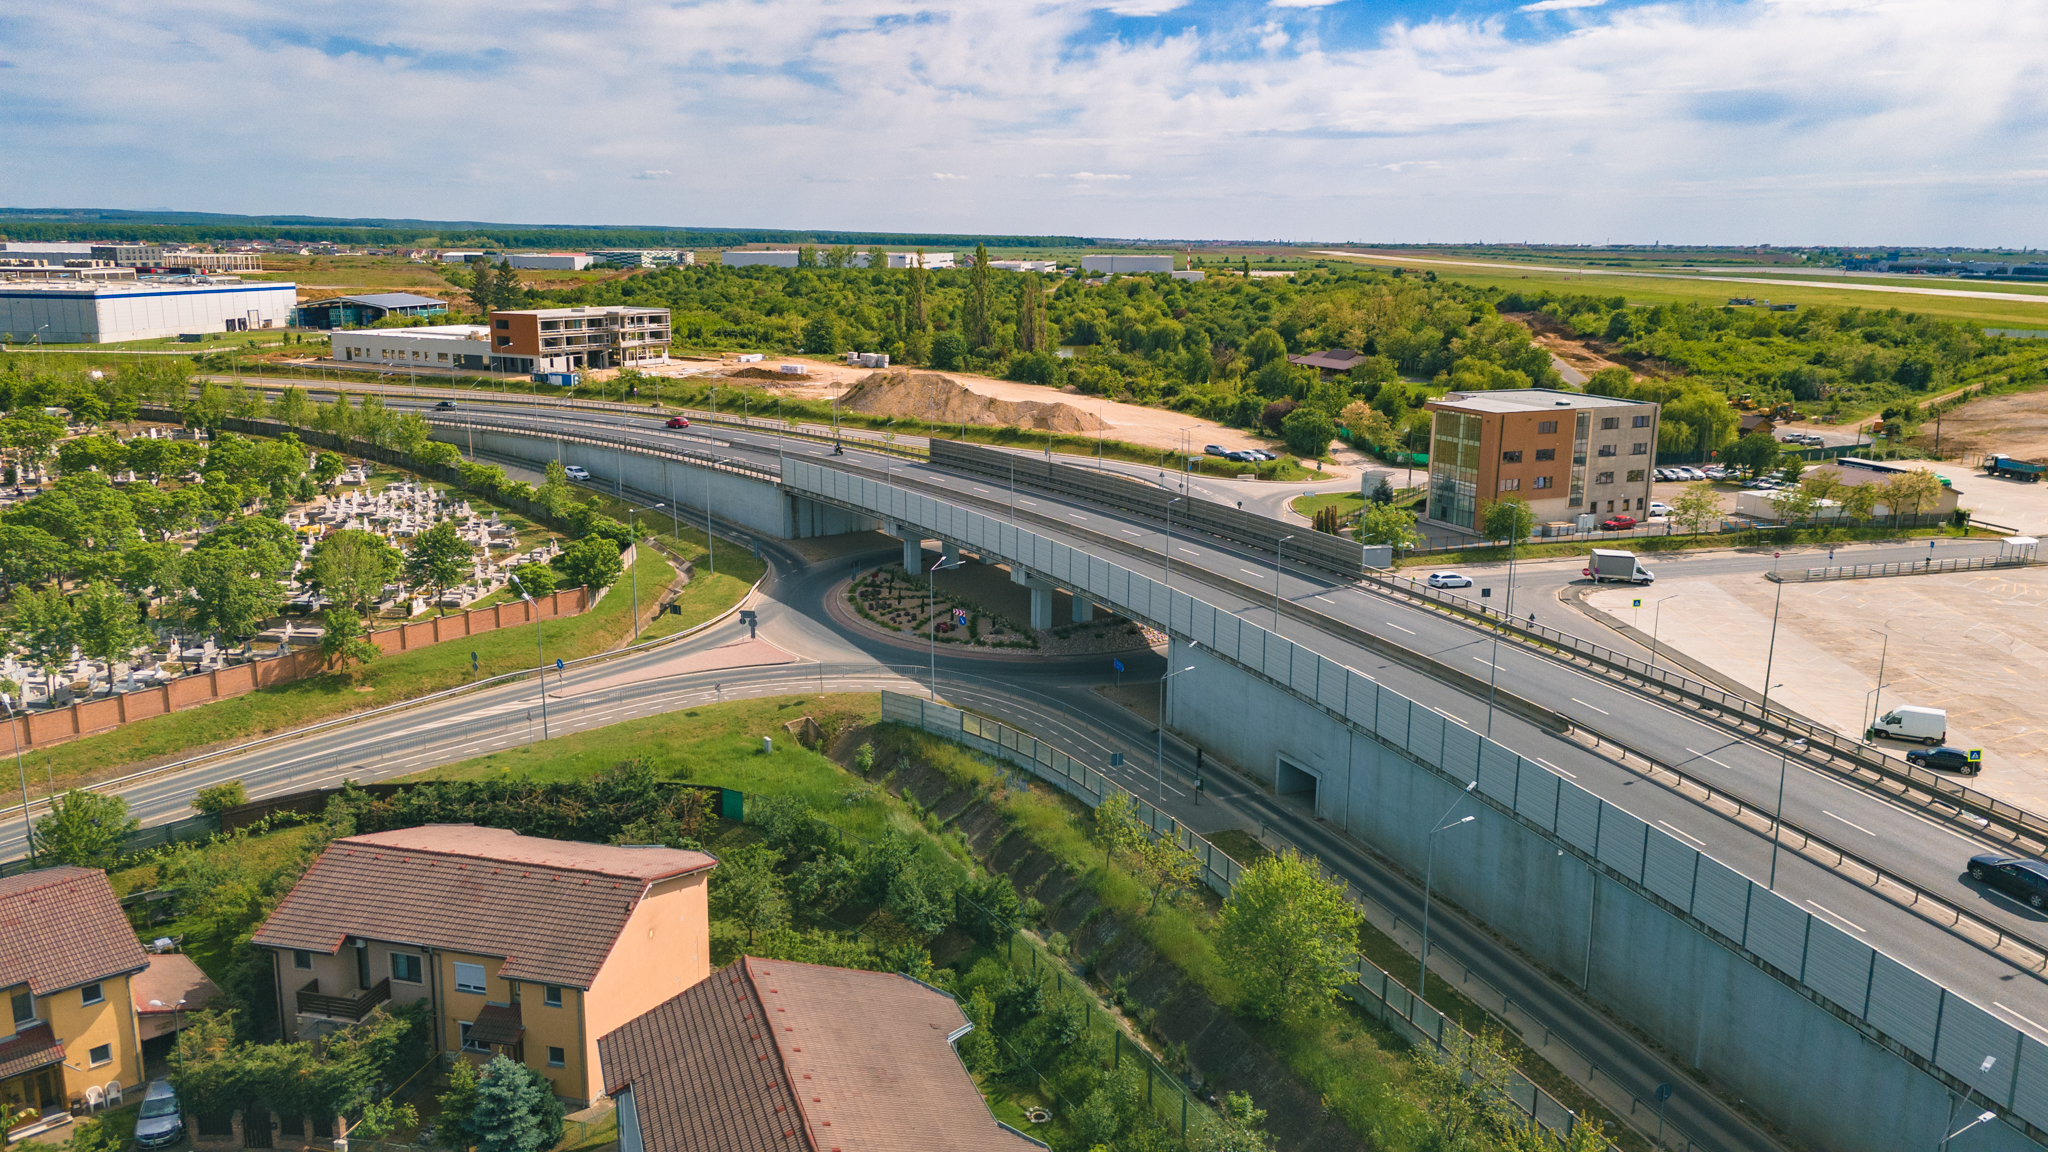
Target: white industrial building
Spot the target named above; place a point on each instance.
(646, 257)
(460, 257)
(1025, 265)
(552, 261)
(911, 259)
(438, 346)
(1119, 264)
(1190, 274)
(772, 257)
(69, 312)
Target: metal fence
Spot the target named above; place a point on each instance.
(179, 831)
(1938, 1030)
(1913, 568)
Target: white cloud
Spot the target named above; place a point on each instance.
(653, 174)
(1560, 5)
(1702, 120)
(1097, 176)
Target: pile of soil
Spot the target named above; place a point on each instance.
(751, 373)
(940, 399)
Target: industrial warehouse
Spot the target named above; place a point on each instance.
(76, 312)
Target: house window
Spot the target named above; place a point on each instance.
(1610, 422)
(504, 323)
(405, 966)
(1546, 427)
(1511, 484)
(302, 958)
(24, 1007)
(1543, 454)
(557, 1058)
(1640, 422)
(1609, 449)
(1604, 478)
(1635, 475)
(91, 994)
(469, 977)
(469, 1045)
(551, 995)
(1514, 457)
(1541, 482)
(101, 1054)
(1639, 448)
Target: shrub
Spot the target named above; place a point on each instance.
(220, 797)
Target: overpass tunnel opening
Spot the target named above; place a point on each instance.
(1293, 782)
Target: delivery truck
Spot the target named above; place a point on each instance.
(2002, 465)
(1614, 564)
(1909, 722)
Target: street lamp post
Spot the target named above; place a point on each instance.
(931, 624)
(1982, 1118)
(540, 652)
(1878, 691)
(1168, 565)
(1428, 875)
(633, 529)
(710, 541)
(1778, 815)
(1657, 620)
(1279, 550)
(1159, 751)
(27, 828)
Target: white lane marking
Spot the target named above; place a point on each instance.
(1676, 830)
(1189, 552)
(2016, 1015)
(980, 489)
(1253, 571)
(1398, 628)
(1075, 516)
(1555, 768)
(1704, 756)
(1033, 503)
(1127, 532)
(1850, 823)
(1441, 712)
(1833, 915)
(1488, 663)
(1602, 711)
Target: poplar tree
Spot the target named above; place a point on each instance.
(980, 324)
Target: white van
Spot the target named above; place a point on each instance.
(1908, 722)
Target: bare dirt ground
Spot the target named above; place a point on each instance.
(2014, 424)
(932, 396)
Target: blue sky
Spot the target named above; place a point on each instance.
(1772, 121)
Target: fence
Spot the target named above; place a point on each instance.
(178, 831)
(1914, 568)
(1937, 1031)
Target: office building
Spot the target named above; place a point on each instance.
(1120, 264)
(646, 257)
(551, 261)
(95, 270)
(72, 312)
(565, 339)
(1566, 453)
(126, 255)
(452, 346)
(363, 311)
(207, 263)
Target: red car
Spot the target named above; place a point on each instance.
(1618, 523)
(678, 422)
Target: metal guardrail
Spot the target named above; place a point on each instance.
(1911, 568)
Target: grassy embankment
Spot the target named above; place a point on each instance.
(1760, 538)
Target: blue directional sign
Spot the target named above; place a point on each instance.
(1119, 667)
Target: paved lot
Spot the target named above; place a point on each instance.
(1974, 644)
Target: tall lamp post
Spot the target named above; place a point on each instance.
(1878, 691)
(1159, 751)
(931, 624)
(710, 541)
(1982, 1118)
(1656, 620)
(540, 652)
(27, 829)
(1778, 816)
(1168, 566)
(1429, 874)
(633, 527)
(1279, 550)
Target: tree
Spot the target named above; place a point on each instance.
(328, 467)
(1308, 432)
(1508, 518)
(228, 591)
(980, 307)
(747, 892)
(108, 628)
(1791, 505)
(1031, 319)
(343, 640)
(515, 1109)
(949, 350)
(29, 436)
(85, 828)
(592, 563)
(821, 334)
(1365, 423)
(87, 453)
(1464, 1092)
(45, 628)
(1292, 933)
(1906, 493)
(1240, 1127)
(32, 555)
(160, 515)
(351, 568)
(1385, 524)
(1165, 866)
(1859, 501)
(1697, 508)
(439, 559)
(1382, 492)
(218, 798)
(458, 1105)
(1755, 453)
(1116, 826)
(292, 408)
(1264, 347)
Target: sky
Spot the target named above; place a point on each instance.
(1853, 122)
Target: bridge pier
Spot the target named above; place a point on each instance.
(1083, 610)
(1041, 596)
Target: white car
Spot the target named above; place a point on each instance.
(1659, 508)
(1694, 474)
(575, 472)
(1449, 580)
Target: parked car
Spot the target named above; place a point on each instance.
(1243, 457)
(1215, 450)
(1262, 454)
(678, 422)
(1943, 758)
(1693, 474)
(445, 406)
(575, 472)
(1715, 472)
(1659, 508)
(2014, 875)
(1449, 580)
(161, 1121)
(1617, 523)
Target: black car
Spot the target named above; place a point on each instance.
(1944, 759)
(2015, 876)
(445, 406)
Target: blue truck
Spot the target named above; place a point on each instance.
(2016, 469)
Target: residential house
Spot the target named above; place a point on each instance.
(524, 946)
(771, 1054)
(1330, 361)
(67, 955)
(1758, 422)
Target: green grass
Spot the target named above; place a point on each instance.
(1681, 543)
(1347, 504)
(386, 680)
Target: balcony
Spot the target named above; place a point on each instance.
(352, 1008)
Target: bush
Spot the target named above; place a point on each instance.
(1275, 414)
(220, 797)
(591, 563)
(949, 350)
(1308, 432)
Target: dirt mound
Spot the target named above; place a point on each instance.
(765, 374)
(940, 399)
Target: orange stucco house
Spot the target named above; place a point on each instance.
(524, 946)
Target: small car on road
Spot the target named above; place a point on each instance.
(575, 472)
(1659, 508)
(445, 406)
(2016, 876)
(1449, 580)
(161, 1121)
(678, 422)
(1943, 758)
(1617, 523)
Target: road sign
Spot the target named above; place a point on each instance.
(1119, 666)
(558, 663)
(1636, 603)
(1663, 1093)
(960, 614)
(1485, 593)
(747, 616)
(1976, 755)
(1116, 759)
(472, 661)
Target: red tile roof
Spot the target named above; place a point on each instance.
(1329, 360)
(169, 979)
(769, 1054)
(62, 927)
(552, 908)
(497, 1024)
(31, 1049)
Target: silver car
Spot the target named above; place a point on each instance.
(161, 1122)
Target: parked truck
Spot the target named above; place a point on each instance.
(2002, 465)
(1910, 722)
(1614, 564)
